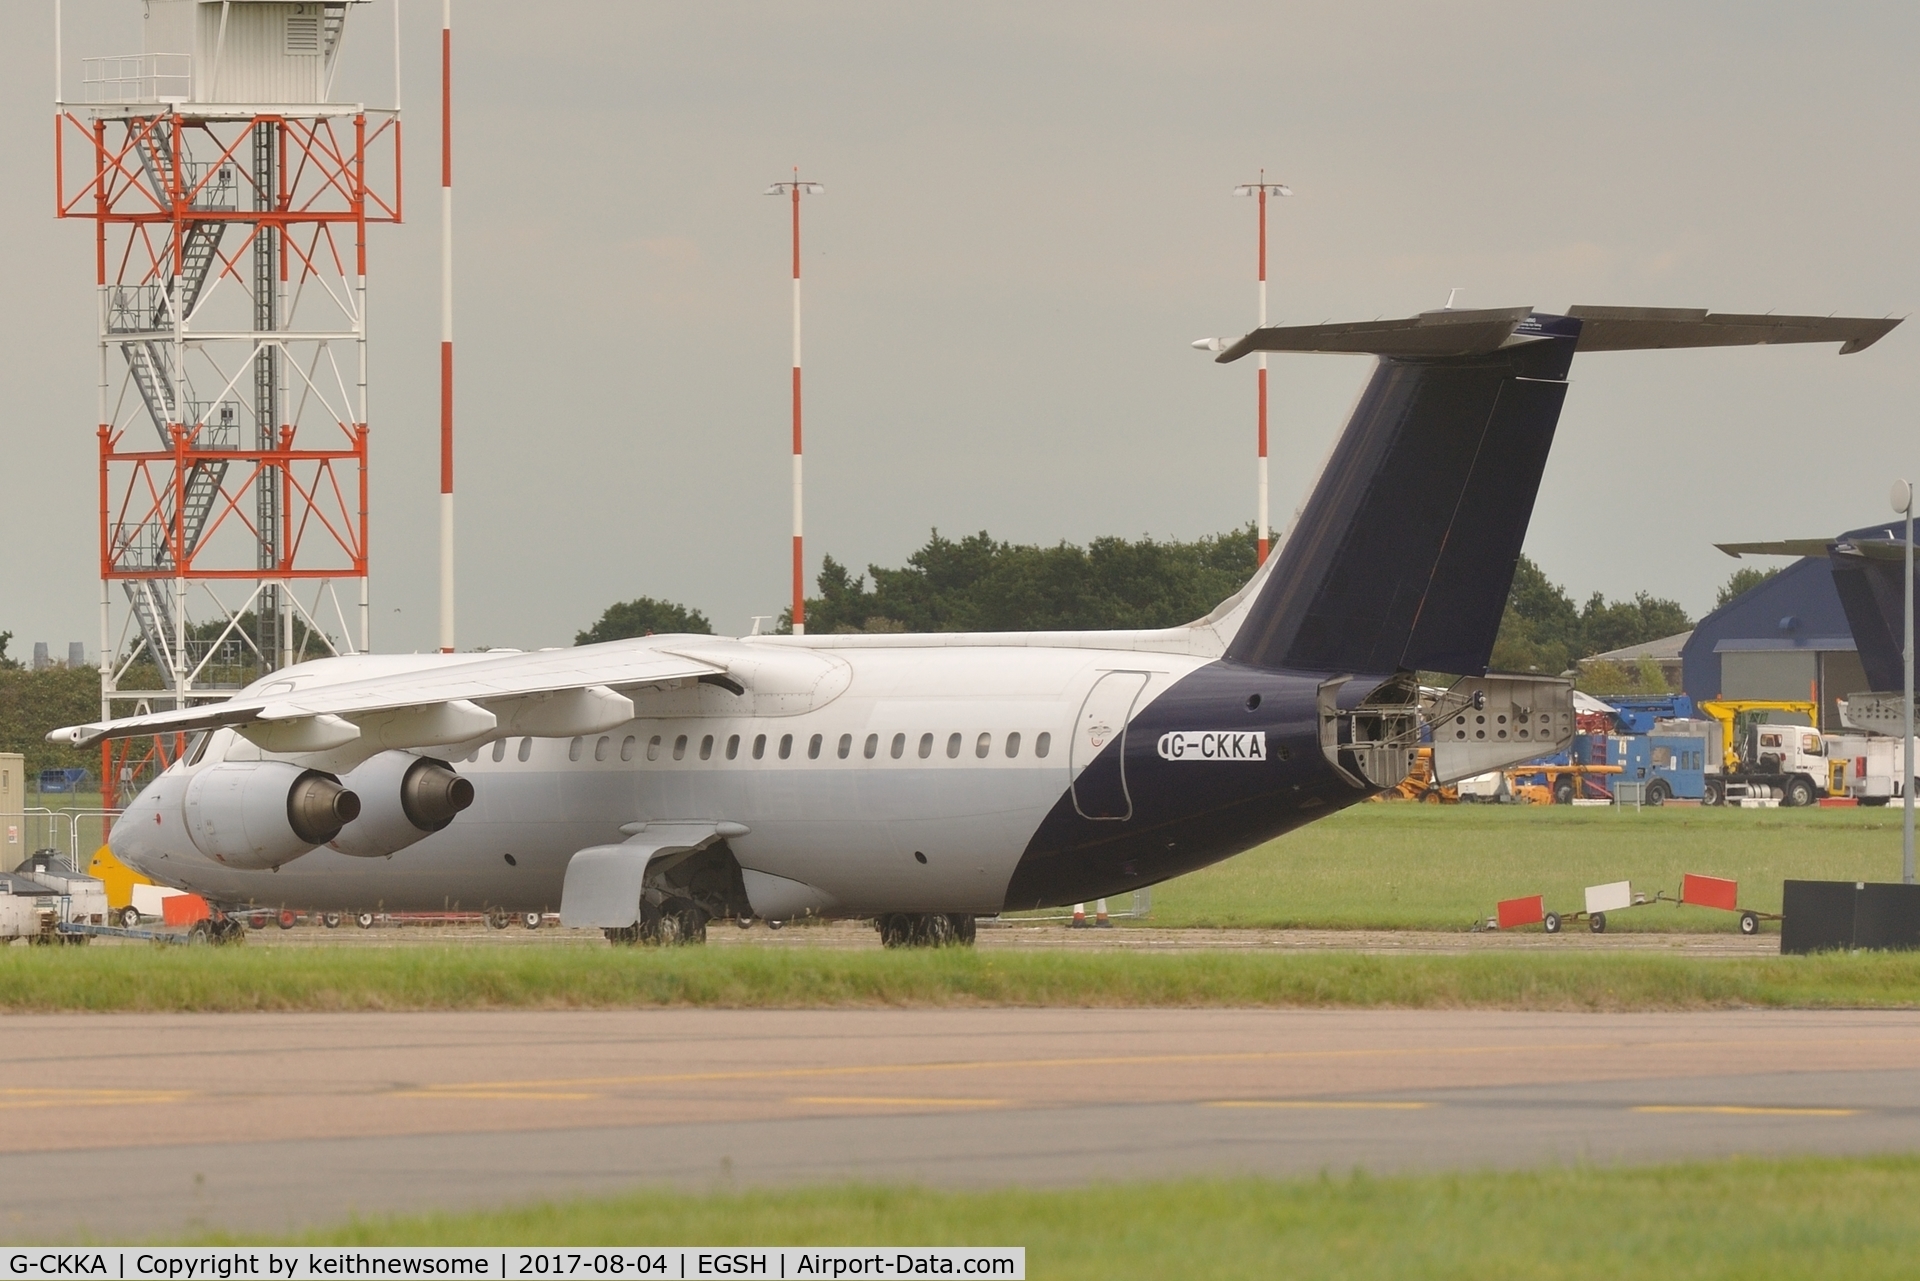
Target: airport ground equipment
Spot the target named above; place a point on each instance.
(229, 196)
(63, 780)
(1760, 762)
(1639, 714)
(1669, 764)
(1554, 782)
(1718, 892)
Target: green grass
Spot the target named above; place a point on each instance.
(456, 978)
(1814, 1218)
(1400, 865)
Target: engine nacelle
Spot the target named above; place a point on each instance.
(403, 798)
(260, 814)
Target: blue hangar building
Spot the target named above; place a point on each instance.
(1793, 637)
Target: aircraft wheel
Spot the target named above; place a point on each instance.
(744, 922)
(690, 926)
(532, 920)
(896, 929)
(364, 920)
(198, 935)
(963, 929)
(1749, 923)
(931, 929)
(497, 918)
(129, 917)
(776, 925)
(625, 936)
(1597, 922)
(331, 920)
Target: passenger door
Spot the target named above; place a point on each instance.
(1098, 757)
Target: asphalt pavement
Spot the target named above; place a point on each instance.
(147, 1126)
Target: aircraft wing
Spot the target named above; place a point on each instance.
(1442, 334)
(545, 693)
(1778, 547)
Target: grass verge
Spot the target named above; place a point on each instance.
(1400, 865)
(425, 978)
(1740, 1218)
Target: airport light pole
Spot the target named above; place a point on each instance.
(796, 188)
(1903, 503)
(446, 326)
(1263, 189)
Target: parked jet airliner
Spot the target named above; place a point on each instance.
(647, 786)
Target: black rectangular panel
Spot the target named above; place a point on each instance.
(1887, 917)
(1818, 917)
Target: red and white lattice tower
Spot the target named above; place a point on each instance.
(230, 197)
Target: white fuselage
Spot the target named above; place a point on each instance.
(881, 777)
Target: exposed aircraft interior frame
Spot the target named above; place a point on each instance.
(645, 787)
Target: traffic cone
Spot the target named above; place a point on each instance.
(1079, 921)
(1100, 921)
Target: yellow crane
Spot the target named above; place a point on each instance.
(1736, 714)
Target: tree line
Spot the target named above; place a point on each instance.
(980, 583)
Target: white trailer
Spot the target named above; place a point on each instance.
(1874, 772)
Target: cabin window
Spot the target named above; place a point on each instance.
(786, 746)
(846, 746)
(813, 748)
(500, 749)
(899, 748)
(600, 747)
(1013, 744)
(873, 746)
(626, 747)
(573, 748)
(706, 748)
(926, 746)
(953, 746)
(733, 746)
(983, 745)
(680, 748)
(1041, 743)
(653, 748)
(1663, 758)
(526, 749)
(759, 746)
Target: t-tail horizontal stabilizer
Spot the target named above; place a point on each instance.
(1402, 558)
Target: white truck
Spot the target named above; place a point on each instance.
(1873, 767)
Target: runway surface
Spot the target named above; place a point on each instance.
(141, 1126)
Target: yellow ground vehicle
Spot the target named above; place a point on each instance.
(1769, 749)
(1737, 715)
(1561, 786)
(1418, 785)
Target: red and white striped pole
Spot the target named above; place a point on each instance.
(446, 326)
(795, 188)
(1261, 189)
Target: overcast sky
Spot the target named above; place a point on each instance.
(1027, 219)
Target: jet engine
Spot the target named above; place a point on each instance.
(260, 814)
(403, 799)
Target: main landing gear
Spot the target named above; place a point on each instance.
(925, 929)
(672, 924)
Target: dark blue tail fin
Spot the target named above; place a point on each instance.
(1404, 553)
(1867, 567)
